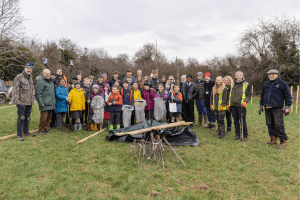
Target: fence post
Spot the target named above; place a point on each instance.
(292, 99)
(297, 99)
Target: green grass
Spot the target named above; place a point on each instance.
(55, 167)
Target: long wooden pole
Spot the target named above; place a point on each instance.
(84, 139)
(292, 99)
(297, 99)
(14, 135)
(252, 94)
(137, 132)
(177, 71)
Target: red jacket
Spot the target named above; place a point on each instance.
(115, 97)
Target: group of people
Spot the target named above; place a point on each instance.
(214, 99)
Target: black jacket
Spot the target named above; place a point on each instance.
(189, 96)
(112, 81)
(201, 89)
(154, 83)
(208, 88)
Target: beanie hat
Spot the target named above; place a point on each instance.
(53, 74)
(80, 72)
(96, 86)
(76, 83)
(206, 74)
(30, 64)
(91, 73)
(99, 76)
(75, 78)
(189, 76)
(273, 71)
(200, 73)
(146, 83)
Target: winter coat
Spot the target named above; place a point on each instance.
(131, 97)
(148, 98)
(77, 100)
(118, 99)
(216, 98)
(177, 99)
(137, 94)
(154, 83)
(208, 88)
(45, 94)
(86, 91)
(112, 81)
(274, 93)
(189, 95)
(163, 95)
(100, 87)
(22, 91)
(237, 93)
(61, 94)
(201, 89)
(91, 96)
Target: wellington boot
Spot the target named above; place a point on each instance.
(111, 127)
(272, 141)
(199, 119)
(118, 126)
(205, 121)
(282, 144)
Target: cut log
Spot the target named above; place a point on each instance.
(137, 132)
(84, 139)
(15, 135)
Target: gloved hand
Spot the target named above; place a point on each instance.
(220, 108)
(110, 104)
(114, 103)
(261, 109)
(68, 98)
(212, 107)
(227, 107)
(172, 97)
(286, 110)
(244, 104)
(89, 101)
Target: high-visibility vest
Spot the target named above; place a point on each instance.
(245, 85)
(220, 99)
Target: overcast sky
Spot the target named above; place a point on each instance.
(183, 28)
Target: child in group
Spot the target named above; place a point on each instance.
(148, 95)
(86, 91)
(117, 84)
(61, 106)
(93, 93)
(136, 95)
(218, 104)
(161, 92)
(114, 102)
(77, 100)
(105, 94)
(176, 97)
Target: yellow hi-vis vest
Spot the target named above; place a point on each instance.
(220, 98)
(245, 85)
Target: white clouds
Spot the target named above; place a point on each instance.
(192, 28)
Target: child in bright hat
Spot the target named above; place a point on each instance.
(77, 100)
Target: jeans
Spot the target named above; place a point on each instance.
(22, 125)
(200, 104)
(275, 123)
(211, 116)
(236, 114)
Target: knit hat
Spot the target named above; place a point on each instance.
(206, 74)
(95, 86)
(273, 71)
(99, 76)
(30, 64)
(75, 78)
(76, 83)
(146, 83)
(53, 74)
(189, 76)
(80, 72)
(91, 73)
(200, 73)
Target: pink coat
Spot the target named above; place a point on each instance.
(149, 98)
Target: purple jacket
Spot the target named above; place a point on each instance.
(148, 98)
(91, 96)
(163, 95)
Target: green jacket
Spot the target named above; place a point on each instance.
(45, 94)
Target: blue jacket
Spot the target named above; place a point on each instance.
(274, 93)
(61, 94)
(112, 81)
(177, 99)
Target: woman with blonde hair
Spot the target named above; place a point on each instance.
(218, 104)
(228, 80)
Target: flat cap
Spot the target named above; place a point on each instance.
(273, 71)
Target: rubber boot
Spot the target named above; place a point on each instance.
(75, 126)
(205, 121)
(199, 119)
(282, 144)
(273, 140)
(118, 126)
(111, 127)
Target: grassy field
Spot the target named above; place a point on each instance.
(55, 167)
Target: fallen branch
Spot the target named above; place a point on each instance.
(7, 106)
(90, 136)
(14, 135)
(137, 132)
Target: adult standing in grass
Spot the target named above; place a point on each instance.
(208, 85)
(240, 94)
(200, 101)
(189, 93)
(273, 95)
(23, 97)
(45, 96)
(228, 80)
